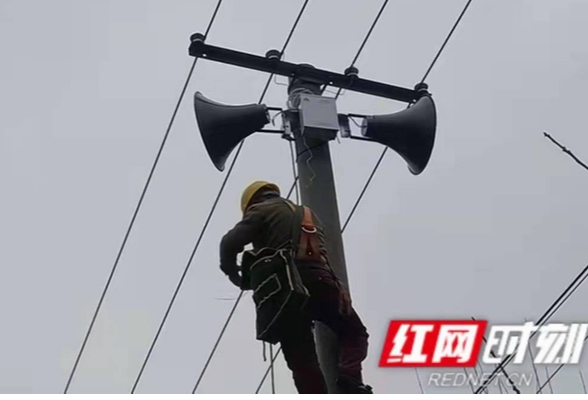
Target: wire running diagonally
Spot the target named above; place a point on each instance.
(365, 40)
(272, 361)
(568, 295)
(548, 381)
(506, 375)
(446, 40)
(566, 150)
(204, 228)
(535, 372)
(562, 298)
(138, 207)
(218, 341)
(377, 166)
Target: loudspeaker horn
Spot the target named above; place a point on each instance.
(223, 127)
(411, 132)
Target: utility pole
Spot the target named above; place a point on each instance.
(317, 191)
(312, 121)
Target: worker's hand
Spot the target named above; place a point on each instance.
(345, 305)
(235, 279)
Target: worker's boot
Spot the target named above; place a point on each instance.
(350, 385)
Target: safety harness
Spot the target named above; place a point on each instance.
(273, 275)
(305, 240)
(308, 249)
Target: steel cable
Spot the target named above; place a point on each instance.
(562, 298)
(138, 207)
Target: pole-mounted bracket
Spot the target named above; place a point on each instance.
(311, 116)
(273, 64)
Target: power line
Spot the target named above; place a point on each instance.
(479, 365)
(268, 370)
(138, 207)
(465, 371)
(418, 376)
(565, 150)
(446, 41)
(533, 363)
(365, 188)
(514, 387)
(561, 300)
(549, 378)
(553, 375)
(264, 92)
(365, 40)
(374, 170)
(292, 187)
(566, 294)
(501, 388)
(218, 341)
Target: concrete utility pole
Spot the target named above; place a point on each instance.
(312, 120)
(317, 190)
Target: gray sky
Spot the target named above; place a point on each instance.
(493, 228)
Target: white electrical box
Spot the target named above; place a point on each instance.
(318, 116)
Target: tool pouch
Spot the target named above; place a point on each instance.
(272, 275)
(278, 290)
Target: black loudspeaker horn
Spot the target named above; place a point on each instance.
(223, 127)
(411, 132)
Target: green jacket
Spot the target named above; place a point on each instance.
(268, 223)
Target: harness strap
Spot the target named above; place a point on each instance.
(308, 238)
(309, 248)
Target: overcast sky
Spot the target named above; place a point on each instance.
(494, 228)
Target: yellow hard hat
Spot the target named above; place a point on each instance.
(252, 189)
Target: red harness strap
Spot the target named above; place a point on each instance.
(309, 249)
(308, 246)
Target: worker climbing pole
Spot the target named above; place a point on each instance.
(293, 285)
